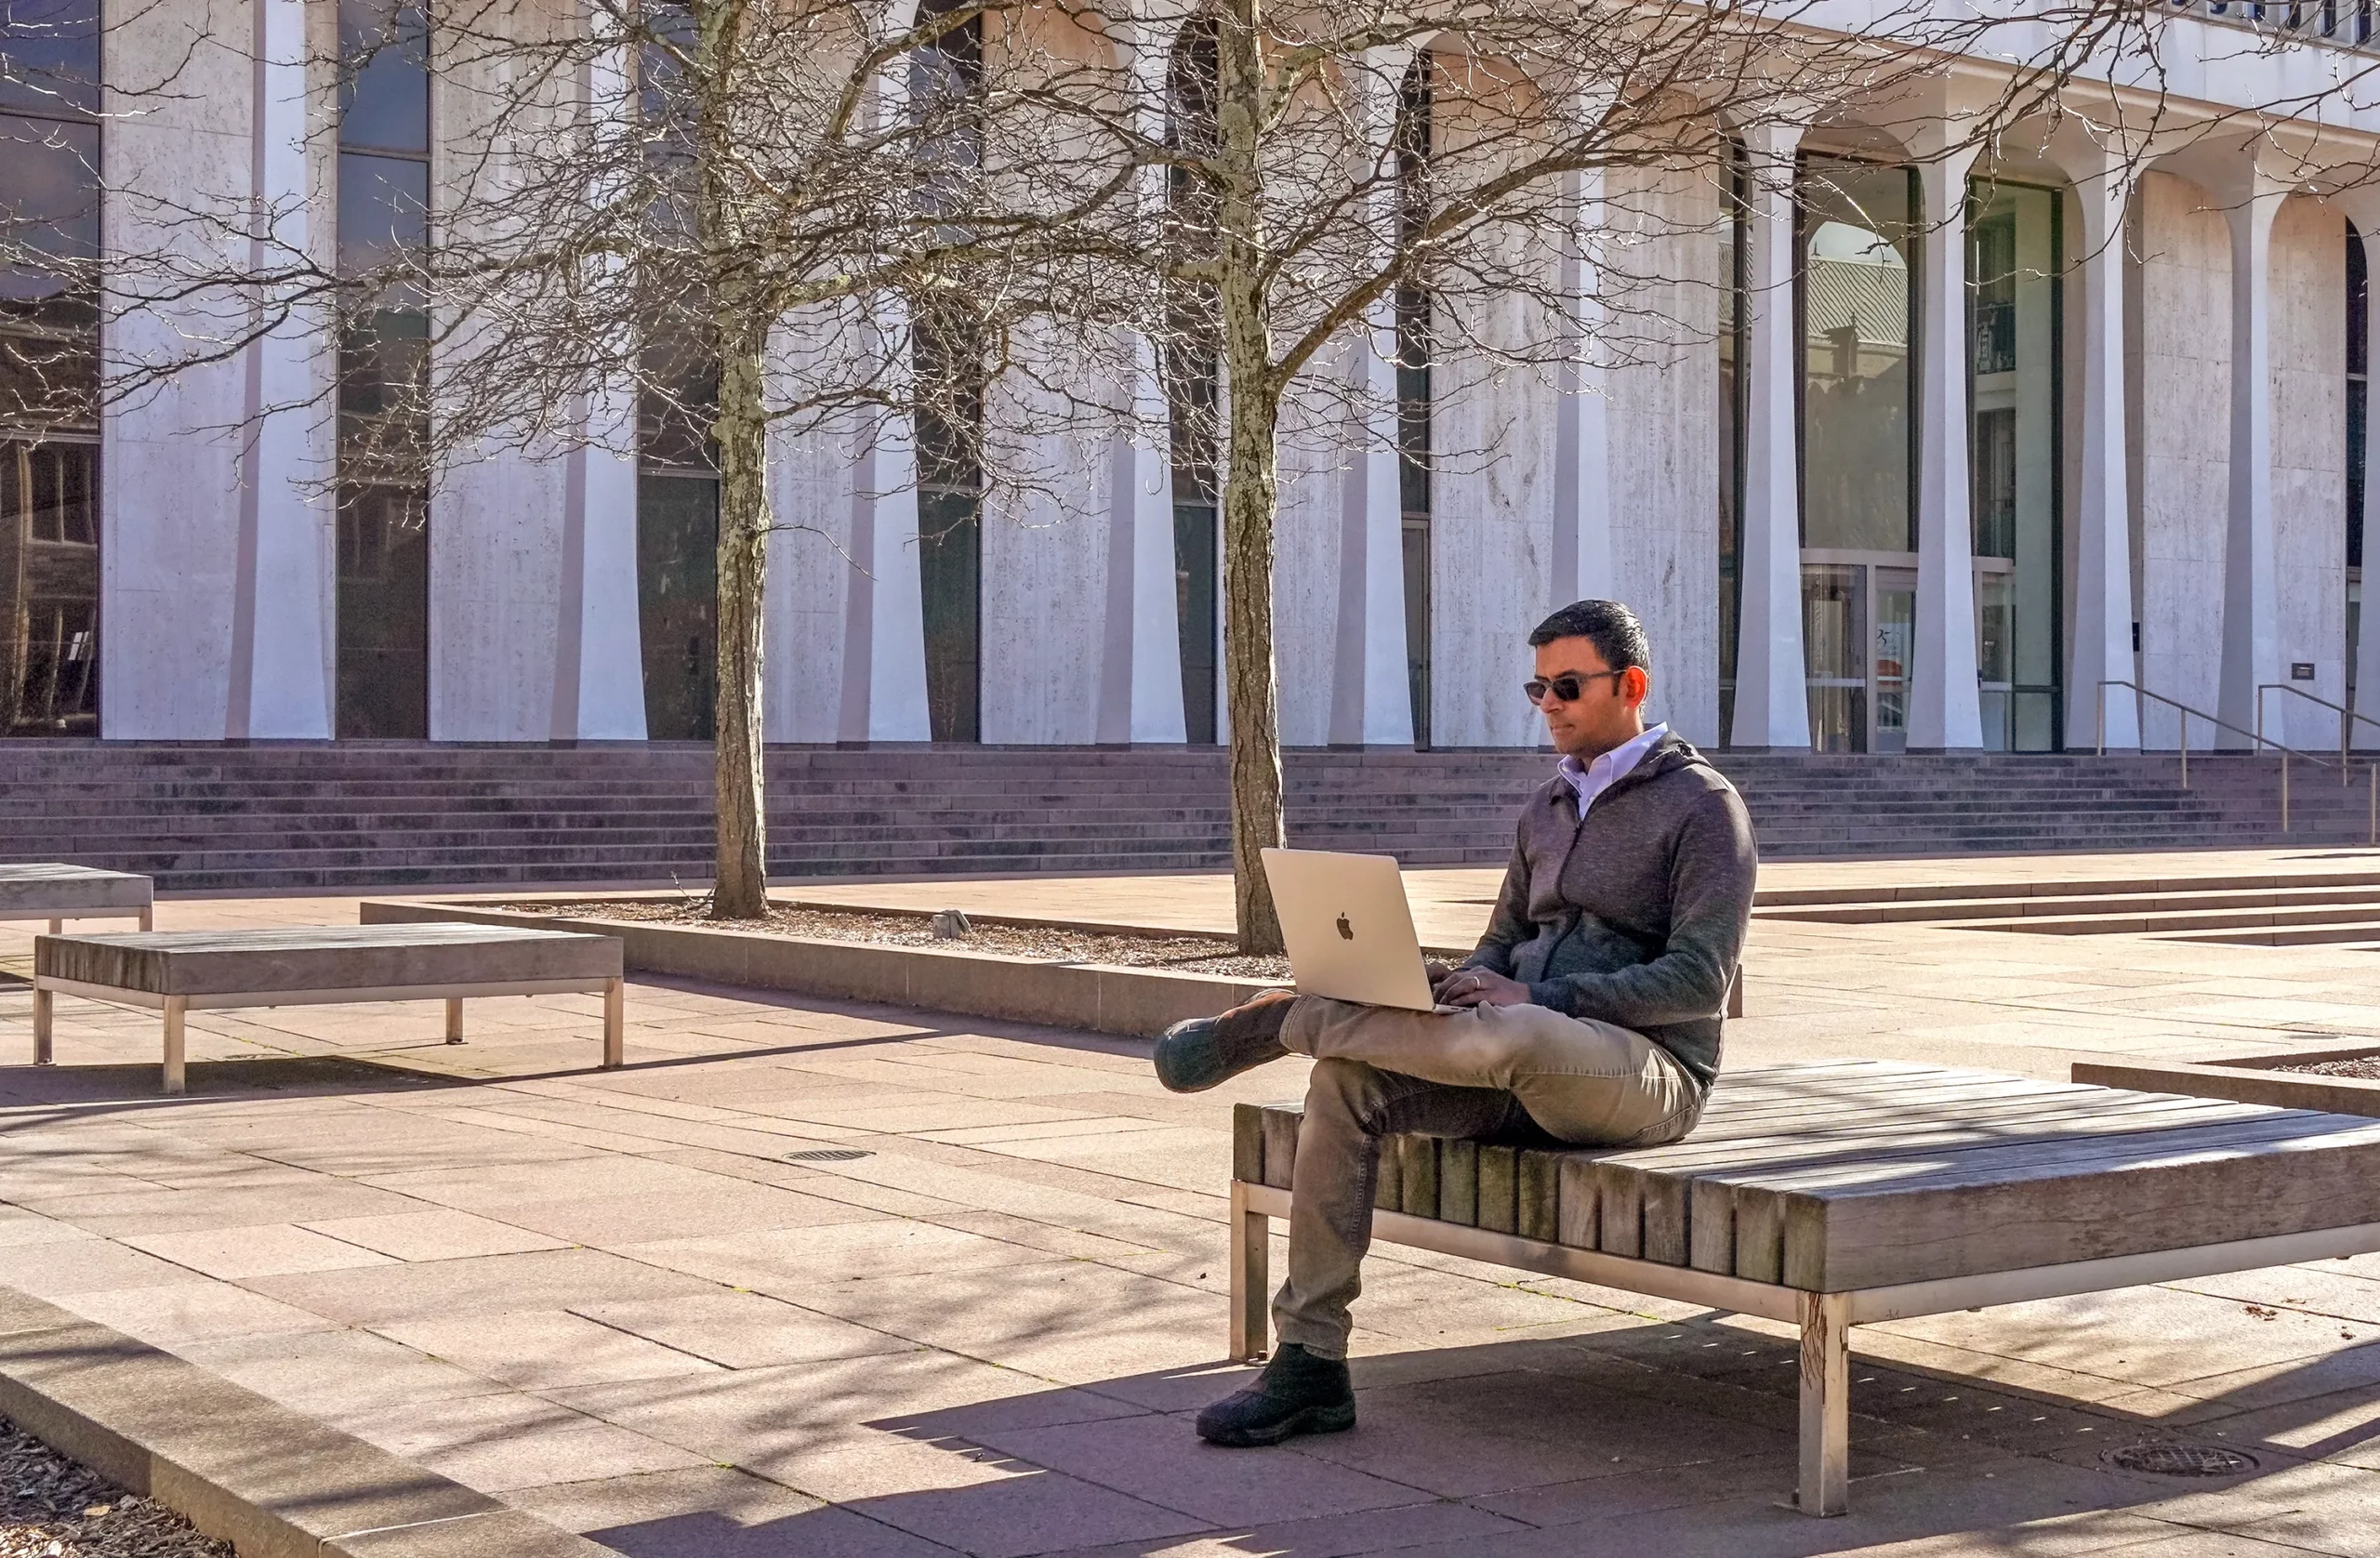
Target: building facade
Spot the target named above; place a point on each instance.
(1944, 445)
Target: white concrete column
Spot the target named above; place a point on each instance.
(283, 589)
(1945, 708)
(2103, 606)
(599, 661)
(884, 618)
(1772, 691)
(1141, 675)
(2251, 599)
(1371, 702)
(1582, 551)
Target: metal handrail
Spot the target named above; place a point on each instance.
(2346, 716)
(2256, 735)
(2346, 741)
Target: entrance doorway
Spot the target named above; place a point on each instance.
(1858, 632)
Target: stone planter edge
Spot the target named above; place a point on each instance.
(2248, 1080)
(1094, 998)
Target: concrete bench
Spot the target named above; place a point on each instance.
(179, 971)
(1828, 1195)
(59, 893)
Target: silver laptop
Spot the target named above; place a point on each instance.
(1349, 929)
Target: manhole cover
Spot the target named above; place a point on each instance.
(827, 1155)
(2182, 1460)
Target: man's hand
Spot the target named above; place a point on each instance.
(1479, 987)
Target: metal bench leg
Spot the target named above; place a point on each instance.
(1826, 1402)
(615, 1020)
(175, 1007)
(148, 918)
(1250, 1254)
(57, 926)
(454, 1018)
(45, 1004)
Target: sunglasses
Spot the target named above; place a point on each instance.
(1568, 687)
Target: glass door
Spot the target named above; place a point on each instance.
(1834, 638)
(1895, 615)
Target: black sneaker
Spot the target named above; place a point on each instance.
(1208, 1052)
(1296, 1394)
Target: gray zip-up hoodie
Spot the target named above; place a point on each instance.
(1636, 915)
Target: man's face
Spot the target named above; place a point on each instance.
(1608, 709)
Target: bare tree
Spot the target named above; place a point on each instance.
(716, 220)
(1310, 192)
(709, 224)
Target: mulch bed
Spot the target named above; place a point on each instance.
(2363, 1067)
(1204, 955)
(51, 1506)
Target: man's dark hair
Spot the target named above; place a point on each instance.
(1609, 625)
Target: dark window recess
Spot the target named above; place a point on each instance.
(1195, 599)
(950, 572)
(677, 586)
(382, 686)
(49, 451)
(1413, 331)
(947, 358)
(2359, 388)
(1193, 372)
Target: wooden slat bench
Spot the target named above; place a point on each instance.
(59, 893)
(1828, 1195)
(316, 965)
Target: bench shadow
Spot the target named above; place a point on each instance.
(135, 1082)
(1651, 1439)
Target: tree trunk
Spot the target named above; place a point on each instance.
(1251, 478)
(740, 888)
(1249, 494)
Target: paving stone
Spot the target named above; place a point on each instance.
(501, 1534)
(506, 1441)
(477, 1285)
(538, 1350)
(744, 1330)
(338, 1374)
(1161, 1459)
(270, 1251)
(435, 1235)
(1043, 1511)
(191, 1310)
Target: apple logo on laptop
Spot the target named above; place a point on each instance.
(1346, 932)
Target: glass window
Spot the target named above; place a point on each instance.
(949, 370)
(1413, 324)
(1856, 305)
(1834, 639)
(1732, 323)
(383, 581)
(49, 58)
(384, 54)
(49, 449)
(1192, 376)
(2359, 388)
(2012, 261)
(677, 586)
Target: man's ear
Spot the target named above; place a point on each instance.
(1634, 684)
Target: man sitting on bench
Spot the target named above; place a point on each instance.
(1590, 1011)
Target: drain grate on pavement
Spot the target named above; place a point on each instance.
(828, 1155)
(2169, 1459)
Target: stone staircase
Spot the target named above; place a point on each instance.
(2285, 908)
(212, 816)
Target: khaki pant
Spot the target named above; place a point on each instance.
(1510, 1073)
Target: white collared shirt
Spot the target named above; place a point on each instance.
(1592, 779)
